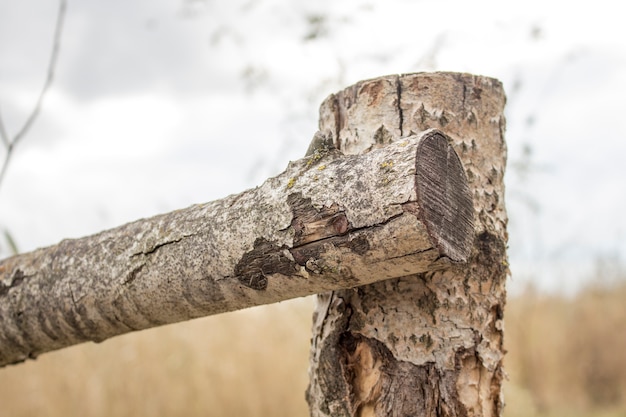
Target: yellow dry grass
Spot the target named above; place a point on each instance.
(248, 363)
(567, 357)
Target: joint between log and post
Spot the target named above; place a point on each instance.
(357, 221)
(445, 369)
(440, 183)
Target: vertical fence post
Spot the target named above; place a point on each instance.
(427, 344)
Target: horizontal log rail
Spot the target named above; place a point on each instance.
(328, 222)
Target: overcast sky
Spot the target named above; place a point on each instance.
(159, 104)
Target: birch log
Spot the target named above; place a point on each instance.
(327, 222)
(428, 344)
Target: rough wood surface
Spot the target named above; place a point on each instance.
(428, 344)
(329, 221)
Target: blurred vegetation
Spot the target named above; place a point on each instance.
(566, 357)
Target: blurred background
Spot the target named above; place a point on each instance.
(155, 105)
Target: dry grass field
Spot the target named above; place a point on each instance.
(567, 357)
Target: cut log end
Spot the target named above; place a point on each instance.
(443, 194)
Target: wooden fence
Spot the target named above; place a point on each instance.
(395, 217)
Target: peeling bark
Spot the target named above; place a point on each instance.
(328, 222)
(431, 343)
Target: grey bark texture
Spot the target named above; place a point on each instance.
(428, 344)
(330, 221)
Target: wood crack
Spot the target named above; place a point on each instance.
(399, 106)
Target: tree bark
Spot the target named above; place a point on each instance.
(329, 221)
(428, 344)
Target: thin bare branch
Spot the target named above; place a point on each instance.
(5, 164)
(3, 134)
(56, 46)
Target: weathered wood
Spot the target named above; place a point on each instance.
(328, 222)
(428, 344)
